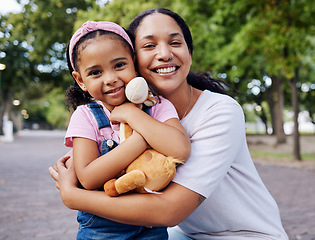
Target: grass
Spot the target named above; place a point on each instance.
(280, 156)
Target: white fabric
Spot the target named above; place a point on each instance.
(220, 168)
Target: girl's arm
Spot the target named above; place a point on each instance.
(94, 171)
(167, 209)
(168, 138)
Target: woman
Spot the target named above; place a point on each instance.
(217, 193)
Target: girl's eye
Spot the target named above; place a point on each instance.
(94, 72)
(120, 65)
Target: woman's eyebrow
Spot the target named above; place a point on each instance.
(176, 34)
(151, 36)
(147, 37)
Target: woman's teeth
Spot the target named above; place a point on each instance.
(166, 70)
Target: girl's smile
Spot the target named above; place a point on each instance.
(116, 91)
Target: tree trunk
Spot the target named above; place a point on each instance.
(279, 102)
(263, 118)
(271, 104)
(2, 109)
(295, 107)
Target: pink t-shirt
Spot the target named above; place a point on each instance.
(83, 124)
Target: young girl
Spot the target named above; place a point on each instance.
(100, 59)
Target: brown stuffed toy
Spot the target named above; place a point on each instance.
(151, 171)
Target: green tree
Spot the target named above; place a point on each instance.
(259, 39)
(262, 44)
(14, 77)
(33, 47)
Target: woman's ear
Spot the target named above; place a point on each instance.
(78, 78)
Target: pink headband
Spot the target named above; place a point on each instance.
(91, 26)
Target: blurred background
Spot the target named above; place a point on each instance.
(265, 49)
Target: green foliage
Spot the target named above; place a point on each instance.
(56, 109)
(239, 41)
(48, 107)
(32, 45)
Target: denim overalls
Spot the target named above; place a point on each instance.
(93, 227)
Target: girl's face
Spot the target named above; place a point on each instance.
(105, 66)
(163, 57)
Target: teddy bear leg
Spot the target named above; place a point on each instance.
(130, 181)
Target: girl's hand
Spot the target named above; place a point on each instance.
(122, 112)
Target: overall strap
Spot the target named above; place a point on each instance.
(146, 109)
(102, 122)
(99, 114)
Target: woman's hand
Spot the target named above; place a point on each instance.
(64, 175)
(63, 162)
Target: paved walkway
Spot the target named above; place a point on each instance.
(30, 205)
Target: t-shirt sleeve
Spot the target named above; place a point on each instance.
(82, 125)
(163, 110)
(216, 133)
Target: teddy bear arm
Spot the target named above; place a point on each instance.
(110, 189)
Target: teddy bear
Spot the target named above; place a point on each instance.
(151, 171)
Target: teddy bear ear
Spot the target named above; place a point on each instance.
(151, 101)
(137, 90)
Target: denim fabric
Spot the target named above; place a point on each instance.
(92, 227)
(176, 235)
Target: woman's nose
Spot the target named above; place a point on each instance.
(164, 53)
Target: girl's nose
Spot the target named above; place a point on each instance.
(164, 53)
(110, 79)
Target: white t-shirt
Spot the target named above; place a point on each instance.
(220, 168)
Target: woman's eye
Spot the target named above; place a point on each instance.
(149, 45)
(176, 43)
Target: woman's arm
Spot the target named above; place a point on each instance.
(94, 171)
(167, 209)
(168, 138)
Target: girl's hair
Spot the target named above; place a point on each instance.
(75, 96)
(201, 81)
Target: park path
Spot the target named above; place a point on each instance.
(31, 208)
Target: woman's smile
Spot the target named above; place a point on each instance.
(163, 57)
(166, 70)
